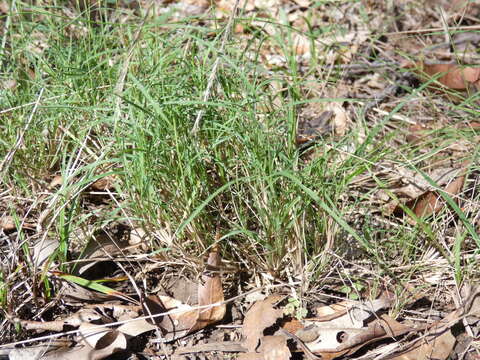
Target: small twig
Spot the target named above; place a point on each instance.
(213, 74)
(8, 159)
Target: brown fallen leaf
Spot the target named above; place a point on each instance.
(250, 356)
(274, 348)
(211, 292)
(271, 348)
(104, 184)
(7, 223)
(432, 202)
(452, 76)
(185, 319)
(260, 316)
(433, 347)
(56, 181)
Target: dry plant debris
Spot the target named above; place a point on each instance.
(406, 68)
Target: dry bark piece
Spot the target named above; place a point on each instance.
(260, 316)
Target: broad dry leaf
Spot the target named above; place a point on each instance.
(292, 326)
(274, 348)
(341, 333)
(101, 341)
(250, 356)
(185, 319)
(43, 249)
(105, 183)
(174, 325)
(7, 223)
(438, 348)
(211, 292)
(271, 348)
(432, 202)
(330, 312)
(454, 76)
(136, 327)
(260, 316)
(354, 339)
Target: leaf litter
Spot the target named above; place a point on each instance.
(103, 326)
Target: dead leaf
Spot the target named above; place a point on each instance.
(211, 292)
(7, 223)
(341, 334)
(101, 341)
(75, 320)
(43, 249)
(56, 181)
(186, 319)
(105, 183)
(292, 326)
(251, 356)
(40, 351)
(174, 325)
(136, 327)
(437, 347)
(453, 76)
(271, 348)
(274, 348)
(102, 244)
(260, 316)
(330, 312)
(432, 202)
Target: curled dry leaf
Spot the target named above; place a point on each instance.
(184, 318)
(56, 181)
(340, 329)
(271, 348)
(452, 76)
(104, 184)
(260, 316)
(43, 249)
(7, 223)
(101, 341)
(210, 292)
(438, 347)
(432, 202)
